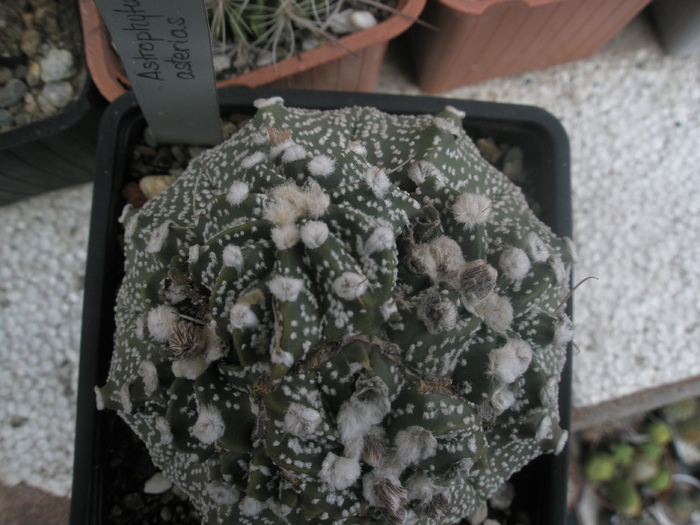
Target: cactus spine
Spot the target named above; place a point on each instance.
(340, 317)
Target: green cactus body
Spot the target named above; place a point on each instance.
(340, 317)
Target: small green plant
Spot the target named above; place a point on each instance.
(631, 470)
(341, 317)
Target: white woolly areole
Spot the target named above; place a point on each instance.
(456, 112)
(502, 400)
(536, 248)
(321, 166)
(253, 159)
(265, 102)
(544, 429)
(471, 209)
(243, 317)
(358, 148)
(339, 472)
(384, 491)
(251, 507)
(99, 398)
(496, 311)
(162, 426)
(125, 399)
(193, 254)
(281, 148)
(317, 202)
(377, 180)
(232, 256)
(314, 234)
(564, 330)
(446, 126)
(389, 308)
(300, 420)
(161, 322)
(294, 153)
(514, 263)
(221, 493)
(280, 357)
(414, 444)
(158, 237)
(419, 171)
(209, 426)
(286, 204)
(285, 288)
(149, 374)
(237, 193)
(285, 236)
(558, 268)
(366, 407)
(510, 361)
(381, 239)
(420, 487)
(350, 286)
(189, 367)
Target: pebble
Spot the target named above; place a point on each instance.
(133, 501)
(31, 40)
(157, 484)
(59, 94)
(6, 75)
(57, 65)
(12, 92)
(154, 185)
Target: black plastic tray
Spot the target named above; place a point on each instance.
(542, 484)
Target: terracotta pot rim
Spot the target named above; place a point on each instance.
(478, 7)
(107, 73)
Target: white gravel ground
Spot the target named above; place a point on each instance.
(633, 118)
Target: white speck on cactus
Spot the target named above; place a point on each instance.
(389, 308)
(548, 394)
(471, 209)
(99, 398)
(321, 166)
(414, 444)
(261, 103)
(209, 426)
(350, 286)
(189, 367)
(564, 330)
(221, 493)
(497, 312)
(377, 180)
(130, 227)
(251, 507)
(381, 239)
(243, 317)
(193, 254)
(232, 256)
(158, 237)
(510, 361)
(544, 429)
(300, 420)
(253, 159)
(447, 126)
(149, 374)
(237, 193)
(285, 236)
(339, 472)
(161, 322)
(514, 263)
(125, 398)
(294, 153)
(314, 234)
(557, 265)
(561, 443)
(536, 248)
(285, 288)
(162, 425)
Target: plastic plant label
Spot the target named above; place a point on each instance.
(166, 51)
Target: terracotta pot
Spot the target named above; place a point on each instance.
(350, 65)
(478, 40)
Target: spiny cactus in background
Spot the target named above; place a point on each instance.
(341, 317)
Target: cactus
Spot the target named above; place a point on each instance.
(341, 317)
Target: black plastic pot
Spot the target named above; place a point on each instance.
(541, 485)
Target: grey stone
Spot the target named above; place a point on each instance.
(6, 75)
(12, 92)
(59, 94)
(133, 501)
(6, 119)
(31, 39)
(57, 65)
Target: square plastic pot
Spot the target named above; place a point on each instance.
(542, 485)
(351, 64)
(478, 40)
